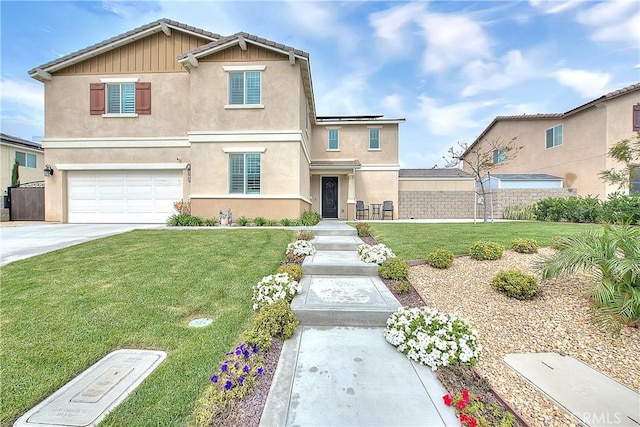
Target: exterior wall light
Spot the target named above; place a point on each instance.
(48, 170)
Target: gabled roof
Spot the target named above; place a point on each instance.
(526, 177)
(548, 116)
(165, 25)
(14, 140)
(370, 119)
(434, 173)
(190, 59)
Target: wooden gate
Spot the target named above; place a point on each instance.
(26, 203)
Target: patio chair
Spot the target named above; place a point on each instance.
(361, 209)
(387, 206)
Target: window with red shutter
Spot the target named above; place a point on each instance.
(96, 99)
(143, 98)
(636, 118)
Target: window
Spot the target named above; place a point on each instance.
(26, 159)
(636, 118)
(244, 173)
(121, 98)
(634, 181)
(554, 136)
(333, 139)
(374, 139)
(499, 155)
(245, 88)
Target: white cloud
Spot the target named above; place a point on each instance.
(392, 27)
(587, 83)
(509, 70)
(613, 21)
(393, 105)
(344, 97)
(452, 119)
(452, 40)
(22, 94)
(551, 7)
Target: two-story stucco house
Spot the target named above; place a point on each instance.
(571, 145)
(167, 112)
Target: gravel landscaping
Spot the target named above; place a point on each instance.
(557, 320)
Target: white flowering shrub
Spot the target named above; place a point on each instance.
(376, 254)
(273, 288)
(432, 338)
(300, 248)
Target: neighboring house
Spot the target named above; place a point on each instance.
(167, 112)
(522, 180)
(571, 145)
(29, 155)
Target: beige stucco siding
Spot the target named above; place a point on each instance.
(209, 98)
(374, 186)
(272, 209)
(353, 143)
(67, 108)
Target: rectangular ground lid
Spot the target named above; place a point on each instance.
(88, 398)
(592, 397)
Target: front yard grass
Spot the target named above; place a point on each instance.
(415, 240)
(61, 312)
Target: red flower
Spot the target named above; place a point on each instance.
(448, 399)
(461, 405)
(465, 396)
(468, 420)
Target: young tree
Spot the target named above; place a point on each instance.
(627, 152)
(481, 158)
(15, 174)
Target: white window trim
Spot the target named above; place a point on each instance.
(119, 115)
(333, 128)
(244, 193)
(244, 149)
(243, 106)
(545, 136)
(236, 68)
(228, 68)
(379, 139)
(120, 80)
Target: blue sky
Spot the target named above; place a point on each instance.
(448, 67)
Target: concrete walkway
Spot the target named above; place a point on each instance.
(338, 370)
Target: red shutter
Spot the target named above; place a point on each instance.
(96, 98)
(636, 117)
(143, 98)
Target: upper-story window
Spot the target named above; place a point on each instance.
(244, 173)
(333, 139)
(374, 138)
(554, 136)
(636, 118)
(499, 155)
(245, 86)
(121, 98)
(26, 159)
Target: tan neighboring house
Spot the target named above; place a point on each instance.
(572, 145)
(168, 111)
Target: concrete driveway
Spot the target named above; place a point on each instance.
(24, 241)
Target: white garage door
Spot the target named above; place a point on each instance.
(123, 196)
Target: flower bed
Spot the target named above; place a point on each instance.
(273, 288)
(376, 254)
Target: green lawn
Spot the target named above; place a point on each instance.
(63, 311)
(416, 240)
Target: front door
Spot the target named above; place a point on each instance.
(330, 197)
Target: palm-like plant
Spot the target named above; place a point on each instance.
(613, 259)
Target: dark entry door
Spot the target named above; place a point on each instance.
(330, 197)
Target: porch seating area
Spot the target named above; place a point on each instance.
(374, 211)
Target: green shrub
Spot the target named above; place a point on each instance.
(525, 246)
(482, 250)
(440, 258)
(516, 284)
(271, 223)
(243, 221)
(550, 209)
(363, 229)
(277, 319)
(310, 218)
(259, 221)
(620, 209)
(210, 222)
(304, 235)
(519, 213)
(286, 222)
(294, 271)
(394, 268)
(402, 287)
(183, 220)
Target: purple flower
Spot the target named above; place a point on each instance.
(214, 379)
(238, 351)
(245, 369)
(228, 385)
(235, 365)
(255, 348)
(241, 380)
(246, 354)
(260, 371)
(224, 367)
